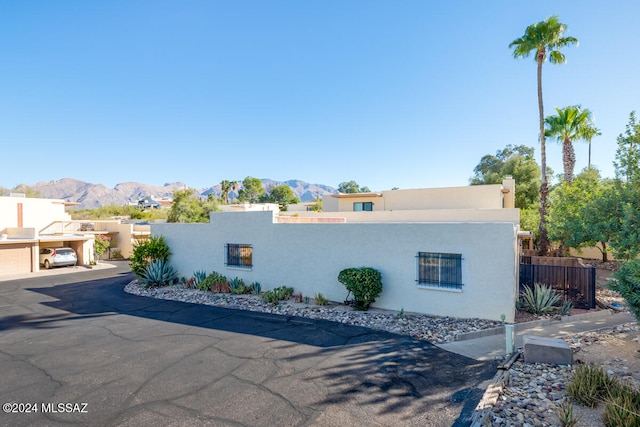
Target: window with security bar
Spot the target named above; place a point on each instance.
(439, 270)
(238, 255)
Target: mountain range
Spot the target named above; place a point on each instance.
(91, 196)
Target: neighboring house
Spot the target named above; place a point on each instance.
(447, 252)
(29, 224)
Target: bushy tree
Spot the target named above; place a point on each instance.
(282, 195)
(626, 281)
(584, 212)
(187, 208)
(251, 190)
(365, 283)
(100, 245)
(517, 161)
(352, 187)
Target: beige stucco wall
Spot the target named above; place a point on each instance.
(494, 196)
(436, 215)
(36, 213)
(308, 257)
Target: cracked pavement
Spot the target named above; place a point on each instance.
(74, 336)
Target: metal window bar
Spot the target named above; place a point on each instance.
(239, 255)
(438, 269)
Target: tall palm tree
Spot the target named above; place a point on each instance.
(543, 38)
(225, 186)
(588, 135)
(570, 124)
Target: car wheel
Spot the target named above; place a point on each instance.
(46, 264)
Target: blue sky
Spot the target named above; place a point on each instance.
(404, 94)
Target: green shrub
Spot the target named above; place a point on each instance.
(158, 273)
(154, 249)
(277, 294)
(320, 299)
(237, 286)
(365, 283)
(541, 299)
(626, 281)
(213, 283)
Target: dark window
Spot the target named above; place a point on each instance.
(238, 255)
(362, 206)
(440, 270)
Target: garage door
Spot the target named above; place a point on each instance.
(15, 258)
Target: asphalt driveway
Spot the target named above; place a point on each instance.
(79, 350)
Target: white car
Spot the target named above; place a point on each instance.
(55, 257)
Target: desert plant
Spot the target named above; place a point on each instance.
(566, 308)
(256, 288)
(199, 276)
(566, 415)
(365, 283)
(626, 281)
(210, 282)
(153, 249)
(320, 299)
(277, 294)
(307, 300)
(589, 385)
(400, 314)
(297, 297)
(622, 407)
(541, 299)
(237, 286)
(158, 273)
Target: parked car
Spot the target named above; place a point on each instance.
(57, 257)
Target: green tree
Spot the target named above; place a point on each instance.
(352, 187)
(282, 195)
(544, 39)
(627, 160)
(251, 190)
(187, 208)
(517, 161)
(570, 124)
(582, 213)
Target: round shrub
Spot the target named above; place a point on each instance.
(365, 283)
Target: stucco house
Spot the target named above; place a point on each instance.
(441, 251)
(29, 224)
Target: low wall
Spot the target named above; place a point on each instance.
(308, 257)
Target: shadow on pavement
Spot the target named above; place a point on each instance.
(394, 373)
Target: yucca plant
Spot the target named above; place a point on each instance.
(566, 415)
(541, 299)
(590, 385)
(320, 299)
(158, 273)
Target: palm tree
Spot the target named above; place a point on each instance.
(545, 38)
(588, 135)
(234, 186)
(225, 186)
(570, 124)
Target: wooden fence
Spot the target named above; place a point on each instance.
(576, 284)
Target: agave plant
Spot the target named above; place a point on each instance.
(237, 286)
(198, 276)
(256, 288)
(158, 273)
(540, 299)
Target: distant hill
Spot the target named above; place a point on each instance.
(91, 196)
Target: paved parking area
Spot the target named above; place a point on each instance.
(76, 338)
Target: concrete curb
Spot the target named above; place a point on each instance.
(533, 324)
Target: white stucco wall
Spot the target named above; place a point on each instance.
(308, 257)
